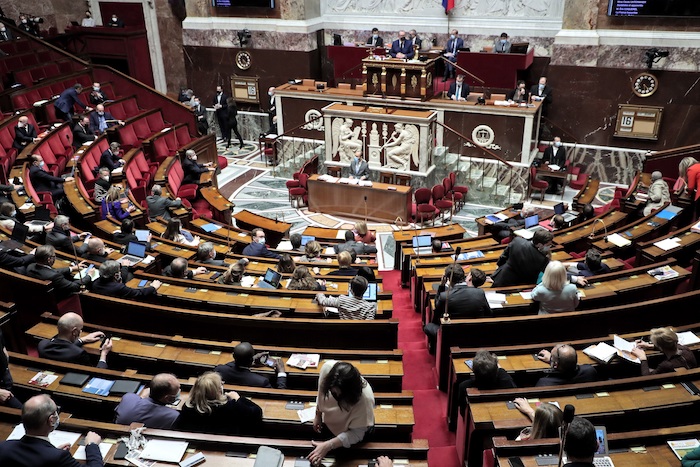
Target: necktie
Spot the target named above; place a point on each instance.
(401, 43)
(458, 94)
(103, 124)
(454, 46)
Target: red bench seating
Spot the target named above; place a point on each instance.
(124, 108)
(30, 76)
(139, 128)
(25, 98)
(90, 161)
(42, 198)
(56, 149)
(8, 156)
(16, 46)
(139, 174)
(26, 60)
(175, 175)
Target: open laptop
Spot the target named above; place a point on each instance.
(567, 215)
(600, 459)
(271, 280)
(531, 226)
(141, 235)
(135, 253)
(370, 294)
(17, 237)
(423, 244)
(306, 239)
(42, 216)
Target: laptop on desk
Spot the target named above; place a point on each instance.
(42, 217)
(17, 237)
(531, 226)
(135, 253)
(567, 215)
(601, 458)
(271, 280)
(423, 244)
(306, 239)
(370, 294)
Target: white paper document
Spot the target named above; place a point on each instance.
(669, 243)
(80, 453)
(687, 338)
(57, 437)
(164, 450)
(618, 240)
(307, 415)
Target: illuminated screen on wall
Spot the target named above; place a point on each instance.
(244, 3)
(670, 8)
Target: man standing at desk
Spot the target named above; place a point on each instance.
(555, 155)
(459, 90)
(502, 45)
(451, 50)
(358, 167)
(375, 40)
(402, 47)
(417, 41)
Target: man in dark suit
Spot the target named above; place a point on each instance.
(238, 372)
(417, 41)
(111, 158)
(565, 367)
(100, 120)
(351, 245)
(402, 47)
(6, 397)
(97, 95)
(257, 247)
(375, 40)
(25, 134)
(61, 279)
(15, 263)
(207, 255)
(358, 167)
(555, 154)
(115, 22)
(40, 418)
(542, 92)
(65, 102)
(60, 237)
(5, 34)
(159, 206)
(110, 283)
(44, 181)
(67, 345)
(179, 270)
(192, 170)
(28, 25)
(200, 115)
(519, 94)
(221, 111)
(523, 260)
(451, 50)
(151, 408)
(459, 90)
(502, 44)
(82, 133)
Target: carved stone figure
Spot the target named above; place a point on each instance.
(348, 140)
(402, 144)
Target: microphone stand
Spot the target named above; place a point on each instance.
(446, 314)
(365, 209)
(569, 411)
(77, 265)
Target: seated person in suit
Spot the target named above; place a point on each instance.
(67, 345)
(40, 418)
(367, 273)
(103, 183)
(7, 399)
(555, 154)
(64, 285)
(350, 244)
(303, 280)
(207, 255)
(451, 50)
(257, 247)
(192, 169)
(344, 265)
(541, 92)
(111, 158)
(519, 94)
(565, 368)
(8, 217)
(60, 237)
(126, 234)
(82, 134)
(592, 266)
(44, 181)
(15, 263)
(96, 250)
(238, 371)
(159, 206)
(97, 95)
(179, 270)
(351, 306)
(88, 21)
(402, 47)
(358, 167)
(25, 134)
(486, 374)
(101, 120)
(115, 22)
(502, 44)
(5, 34)
(459, 90)
(110, 283)
(151, 406)
(375, 40)
(413, 37)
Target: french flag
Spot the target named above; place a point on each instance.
(448, 5)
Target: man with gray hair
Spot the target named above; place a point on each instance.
(103, 183)
(40, 417)
(110, 283)
(192, 169)
(178, 269)
(111, 158)
(658, 193)
(60, 237)
(159, 206)
(151, 406)
(61, 279)
(67, 345)
(207, 255)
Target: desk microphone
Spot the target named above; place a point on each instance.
(569, 411)
(446, 314)
(365, 208)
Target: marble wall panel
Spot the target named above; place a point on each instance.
(273, 40)
(580, 14)
(170, 30)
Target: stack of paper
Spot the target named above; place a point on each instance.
(43, 379)
(696, 228)
(328, 178)
(496, 300)
(662, 272)
(303, 361)
(625, 348)
(57, 437)
(669, 243)
(554, 167)
(618, 240)
(365, 182)
(164, 451)
(687, 338)
(602, 352)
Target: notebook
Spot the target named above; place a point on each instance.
(124, 386)
(271, 280)
(370, 294)
(75, 379)
(422, 244)
(306, 239)
(135, 252)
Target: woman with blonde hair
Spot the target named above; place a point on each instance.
(113, 204)
(676, 355)
(210, 410)
(555, 294)
(546, 420)
(312, 252)
(363, 234)
(303, 280)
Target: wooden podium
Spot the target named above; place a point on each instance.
(394, 77)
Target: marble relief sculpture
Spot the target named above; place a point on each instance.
(345, 138)
(404, 147)
(484, 8)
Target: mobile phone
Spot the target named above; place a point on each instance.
(103, 339)
(515, 462)
(216, 275)
(270, 362)
(89, 268)
(143, 283)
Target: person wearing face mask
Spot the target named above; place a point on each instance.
(417, 41)
(402, 47)
(67, 100)
(459, 90)
(40, 417)
(67, 345)
(115, 22)
(451, 50)
(25, 134)
(151, 406)
(232, 123)
(28, 26)
(358, 167)
(63, 283)
(502, 44)
(200, 114)
(519, 94)
(111, 157)
(541, 92)
(97, 95)
(88, 21)
(375, 40)
(8, 216)
(82, 133)
(44, 181)
(555, 154)
(110, 283)
(192, 170)
(100, 120)
(257, 247)
(221, 111)
(103, 183)
(5, 34)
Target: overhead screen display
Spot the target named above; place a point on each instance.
(640, 8)
(244, 3)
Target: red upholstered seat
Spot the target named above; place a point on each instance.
(155, 122)
(141, 128)
(147, 169)
(536, 184)
(300, 193)
(183, 136)
(131, 107)
(222, 162)
(161, 150)
(128, 138)
(452, 195)
(458, 188)
(440, 202)
(424, 210)
(175, 176)
(580, 179)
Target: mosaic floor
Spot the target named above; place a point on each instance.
(252, 185)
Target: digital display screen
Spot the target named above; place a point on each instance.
(244, 3)
(670, 8)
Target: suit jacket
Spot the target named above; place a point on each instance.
(500, 48)
(583, 374)
(158, 206)
(200, 114)
(6, 36)
(546, 93)
(67, 100)
(558, 159)
(351, 272)
(520, 263)
(463, 302)
(65, 351)
(450, 46)
(61, 279)
(95, 121)
(192, 170)
(35, 452)
(453, 90)
(62, 240)
(417, 41)
(23, 137)
(82, 135)
(378, 43)
(511, 95)
(359, 248)
(8, 261)
(119, 23)
(223, 111)
(42, 180)
(359, 170)
(119, 290)
(213, 262)
(259, 250)
(97, 97)
(232, 374)
(407, 48)
(109, 160)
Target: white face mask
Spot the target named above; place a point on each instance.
(114, 18)
(13, 213)
(54, 426)
(452, 36)
(96, 88)
(2, 29)
(557, 144)
(503, 41)
(24, 21)
(41, 164)
(261, 240)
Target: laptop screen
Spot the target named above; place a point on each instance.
(422, 241)
(532, 221)
(19, 232)
(141, 235)
(559, 208)
(272, 277)
(136, 249)
(370, 294)
(306, 239)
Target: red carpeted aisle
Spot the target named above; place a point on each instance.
(429, 404)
